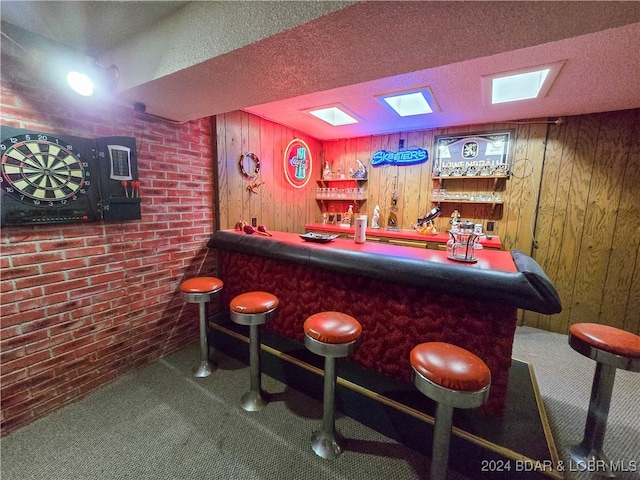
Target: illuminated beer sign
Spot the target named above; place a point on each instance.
(403, 157)
(297, 163)
(467, 155)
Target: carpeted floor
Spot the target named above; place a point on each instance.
(564, 378)
(159, 422)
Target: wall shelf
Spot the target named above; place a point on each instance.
(458, 200)
(487, 197)
(495, 178)
(493, 204)
(332, 180)
(341, 190)
(483, 177)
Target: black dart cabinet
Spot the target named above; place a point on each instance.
(48, 178)
(119, 185)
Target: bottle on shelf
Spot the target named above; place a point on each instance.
(348, 216)
(392, 222)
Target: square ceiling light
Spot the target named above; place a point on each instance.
(520, 85)
(334, 115)
(410, 102)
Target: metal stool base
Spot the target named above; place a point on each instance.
(326, 445)
(205, 369)
(591, 460)
(588, 453)
(253, 401)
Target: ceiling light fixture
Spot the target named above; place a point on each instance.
(80, 83)
(334, 115)
(407, 103)
(93, 77)
(521, 84)
(518, 87)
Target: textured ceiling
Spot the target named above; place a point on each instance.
(188, 60)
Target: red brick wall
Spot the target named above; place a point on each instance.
(83, 304)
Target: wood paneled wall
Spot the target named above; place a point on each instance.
(588, 226)
(277, 204)
(572, 200)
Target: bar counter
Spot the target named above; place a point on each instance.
(402, 296)
(404, 234)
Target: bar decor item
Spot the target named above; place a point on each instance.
(392, 221)
(461, 245)
(469, 155)
(298, 163)
(361, 229)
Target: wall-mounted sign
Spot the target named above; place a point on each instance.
(401, 158)
(470, 155)
(297, 163)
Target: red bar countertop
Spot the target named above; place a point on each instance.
(402, 234)
(509, 278)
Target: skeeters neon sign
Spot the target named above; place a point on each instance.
(401, 158)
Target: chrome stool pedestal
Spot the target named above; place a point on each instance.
(331, 335)
(611, 348)
(200, 290)
(454, 378)
(253, 309)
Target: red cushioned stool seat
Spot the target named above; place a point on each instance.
(200, 290)
(611, 348)
(606, 344)
(331, 335)
(454, 378)
(450, 367)
(253, 309)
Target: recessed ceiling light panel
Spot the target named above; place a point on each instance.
(333, 115)
(518, 87)
(521, 84)
(410, 102)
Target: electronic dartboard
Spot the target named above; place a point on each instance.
(47, 178)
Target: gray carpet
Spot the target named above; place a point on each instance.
(564, 378)
(159, 422)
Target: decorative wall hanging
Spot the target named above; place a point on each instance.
(298, 163)
(48, 178)
(249, 165)
(412, 156)
(250, 168)
(483, 154)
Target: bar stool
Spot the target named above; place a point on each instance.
(331, 335)
(454, 378)
(200, 290)
(611, 348)
(253, 309)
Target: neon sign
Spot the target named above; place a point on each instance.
(297, 163)
(401, 158)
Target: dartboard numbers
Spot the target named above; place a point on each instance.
(41, 170)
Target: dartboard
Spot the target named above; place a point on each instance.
(43, 171)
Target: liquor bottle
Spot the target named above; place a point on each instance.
(392, 222)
